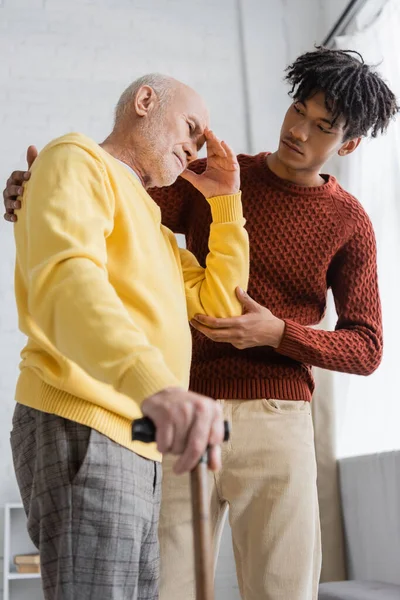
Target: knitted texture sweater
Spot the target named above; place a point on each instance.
(303, 241)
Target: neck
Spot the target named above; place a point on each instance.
(122, 150)
(299, 177)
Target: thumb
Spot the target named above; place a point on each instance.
(31, 155)
(245, 300)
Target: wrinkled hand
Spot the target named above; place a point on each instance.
(186, 423)
(222, 174)
(256, 327)
(14, 187)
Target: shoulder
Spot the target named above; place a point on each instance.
(249, 161)
(355, 218)
(73, 150)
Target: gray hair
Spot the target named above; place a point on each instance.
(161, 84)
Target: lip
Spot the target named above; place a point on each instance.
(292, 147)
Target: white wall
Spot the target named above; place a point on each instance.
(63, 65)
(367, 410)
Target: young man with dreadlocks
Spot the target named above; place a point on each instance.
(307, 235)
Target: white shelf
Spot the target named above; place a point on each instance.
(15, 521)
(23, 575)
(13, 505)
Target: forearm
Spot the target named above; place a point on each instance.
(212, 290)
(357, 350)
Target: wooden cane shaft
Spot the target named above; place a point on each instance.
(203, 548)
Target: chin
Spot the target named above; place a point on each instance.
(163, 178)
(289, 159)
(169, 177)
(167, 181)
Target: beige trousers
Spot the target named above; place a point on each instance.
(268, 480)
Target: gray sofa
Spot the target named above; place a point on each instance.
(370, 490)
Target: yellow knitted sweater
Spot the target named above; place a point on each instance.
(104, 293)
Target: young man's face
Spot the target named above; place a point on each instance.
(308, 138)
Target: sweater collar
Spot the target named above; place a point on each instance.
(292, 188)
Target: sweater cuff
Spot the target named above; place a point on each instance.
(295, 335)
(140, 381)
(225, 209)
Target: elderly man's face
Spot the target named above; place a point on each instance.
(177, 136)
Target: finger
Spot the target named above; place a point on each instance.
(183, 421)
(217, 431)
(216, 435)
(13, 191)
(214, 148)
(230, 154)
(10, 217)
(210, 333)
(214, 458)
(197, 441)
(245, 300)
(165, 437)
(31, 155)
(18, 177)
(12, 205)
(209, 134)
(217, 335)
(214, 145)
(216, 438)
(190, 458)
(215, 323)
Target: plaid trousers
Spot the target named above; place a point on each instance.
(92, 508)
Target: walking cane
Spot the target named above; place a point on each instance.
(143, 430)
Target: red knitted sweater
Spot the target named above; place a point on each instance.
(303, 241)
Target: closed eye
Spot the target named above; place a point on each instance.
(324, 130)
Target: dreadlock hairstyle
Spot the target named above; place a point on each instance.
(352, 89)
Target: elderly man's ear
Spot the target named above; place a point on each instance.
(145, 101)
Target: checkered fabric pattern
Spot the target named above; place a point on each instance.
(92, 509)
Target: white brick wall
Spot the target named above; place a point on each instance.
(63, 64)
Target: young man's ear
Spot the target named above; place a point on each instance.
(349, 146)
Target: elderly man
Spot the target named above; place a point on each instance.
(104, 296)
